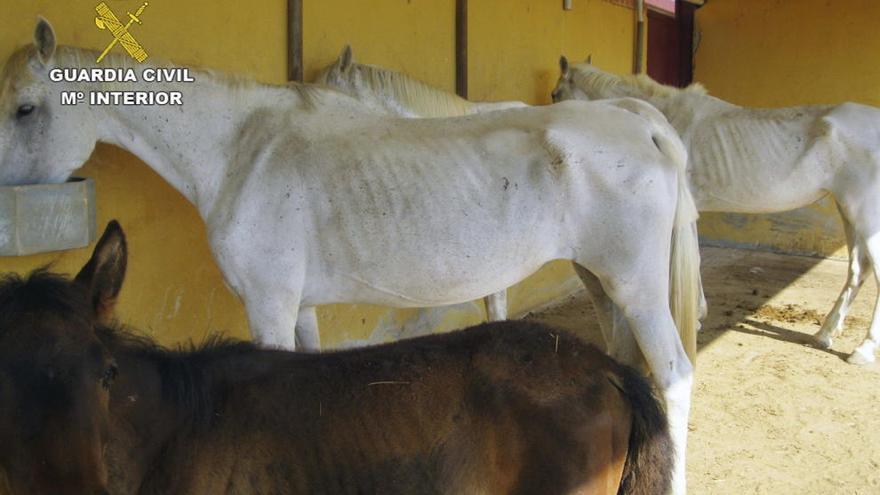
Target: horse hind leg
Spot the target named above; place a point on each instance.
(857, 272)
(861, 210)
(648, 315)
(641, 296)
(864, 353)
(496, 305)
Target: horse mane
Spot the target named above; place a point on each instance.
(420, 97)
(16, 62)
(42, 290)
(185, 370)
(586, 75)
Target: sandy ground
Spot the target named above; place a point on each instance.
(770, 413)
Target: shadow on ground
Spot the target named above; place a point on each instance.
(740, 286)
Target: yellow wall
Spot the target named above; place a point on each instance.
(514, 45)
(775, 54)
(414, 36)
(174, 290)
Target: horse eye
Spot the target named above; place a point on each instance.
(24, 110)
(109, 375)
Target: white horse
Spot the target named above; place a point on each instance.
(750, 160)
(395, 93)
(310, 198)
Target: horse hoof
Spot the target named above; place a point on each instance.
(860, 359)
(822, 341)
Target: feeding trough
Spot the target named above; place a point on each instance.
(47, 217)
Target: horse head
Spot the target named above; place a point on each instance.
(567, 87)
(339, 74)
(41, 140)
(56, 375)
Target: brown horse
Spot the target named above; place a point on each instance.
(510, 407)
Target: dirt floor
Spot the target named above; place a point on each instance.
(771, 414)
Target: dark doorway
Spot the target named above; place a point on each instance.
(670, 44)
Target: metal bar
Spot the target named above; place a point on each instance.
(639, 52)
(294, 40)
(461, 48)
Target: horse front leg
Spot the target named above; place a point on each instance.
(307, 336)
(269, 282)
(496, 305)
(273, 319)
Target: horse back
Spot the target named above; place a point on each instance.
(764, 160)
(510, 407)
(466, 189)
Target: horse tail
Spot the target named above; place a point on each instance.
(684, 272)
(650, 455)
(685, 286)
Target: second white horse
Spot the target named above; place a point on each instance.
(750, 160)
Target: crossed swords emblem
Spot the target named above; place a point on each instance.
(107, 20)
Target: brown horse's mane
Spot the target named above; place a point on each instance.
(42, 290)
(188, 373)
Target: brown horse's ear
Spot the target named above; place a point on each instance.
(345, 59)
(44, 40)
(102, 276)
(563, 65)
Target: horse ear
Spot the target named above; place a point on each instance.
(44, 40)
(103, 274)
(563, 65)
(589, 60)
(345, 59)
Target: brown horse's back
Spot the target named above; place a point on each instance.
(509, 407)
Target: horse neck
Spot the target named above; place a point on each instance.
(682, 108)
(173, 393)
(686, 110)
(189, 145)
(422, 100)
(143, 421)
(164, 401)
(599, 85)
